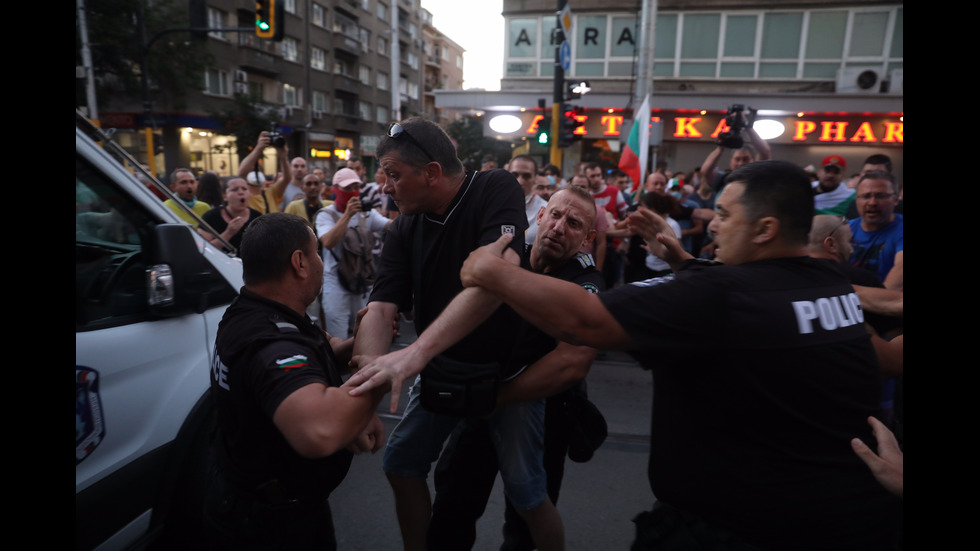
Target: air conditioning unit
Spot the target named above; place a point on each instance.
(858, 80)
(241, 76)
(288, 111)
(317, 114)
(895, 82)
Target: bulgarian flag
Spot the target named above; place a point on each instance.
(633, 160)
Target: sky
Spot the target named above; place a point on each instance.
(478, 27)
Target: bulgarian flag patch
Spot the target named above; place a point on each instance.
(293, 362)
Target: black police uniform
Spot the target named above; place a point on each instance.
(264, 495)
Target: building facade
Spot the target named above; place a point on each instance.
(344, 70)
(828, 73)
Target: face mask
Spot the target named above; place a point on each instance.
(342, 197)
(551, 179)
(676, 194)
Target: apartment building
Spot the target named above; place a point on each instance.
(343, 71)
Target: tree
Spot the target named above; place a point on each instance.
(175, 61)
(472, 145)
(245, 119)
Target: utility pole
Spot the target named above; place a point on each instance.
(93, 108)
(558, 38)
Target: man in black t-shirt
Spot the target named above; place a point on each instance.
(750, 441)
(466, 472)
(285, 430)
(445, 213)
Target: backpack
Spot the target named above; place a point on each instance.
(355, 264)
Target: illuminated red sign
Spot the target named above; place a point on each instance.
(842, 129)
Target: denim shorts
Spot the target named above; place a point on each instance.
(517, 431)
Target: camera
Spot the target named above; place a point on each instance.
(368, 204)
(737, 118)
(277, 140)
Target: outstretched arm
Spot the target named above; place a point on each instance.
(463, 314)
(557, 307)
(248, 163)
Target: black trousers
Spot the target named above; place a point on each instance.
(238, 521)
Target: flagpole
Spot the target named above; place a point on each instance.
(644, 82)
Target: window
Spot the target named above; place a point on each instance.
(110, 270)
(365, 110)
(290, 49)
(290, 95)
(289, 5)
(382, 45)
(735, 44)
(382, 81)
(365, 39)
(216, 82)
(365, 74)
(382, 12)
(319, 101)
(780, 44)
(382, 114)
(217, 20)
(341, 66)
(345, 25)
(318, 59)
(319, 15)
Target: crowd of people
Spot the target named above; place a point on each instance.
(787, 434)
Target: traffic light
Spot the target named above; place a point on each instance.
(543, 135)
(269, 19)
(568, 125)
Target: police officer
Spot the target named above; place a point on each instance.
(752, 433)
(286, 432)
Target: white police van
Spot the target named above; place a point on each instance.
(149, 293)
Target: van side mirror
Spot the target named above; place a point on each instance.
(179, 279)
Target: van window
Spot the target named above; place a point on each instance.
(111, 231)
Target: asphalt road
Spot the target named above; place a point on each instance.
(598, 499)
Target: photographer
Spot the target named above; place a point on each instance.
(340, 303)
(739, 120)
(261, 198)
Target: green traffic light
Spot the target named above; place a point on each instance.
(543, 138)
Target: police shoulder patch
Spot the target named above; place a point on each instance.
(585, 259)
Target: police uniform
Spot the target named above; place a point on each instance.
(755, 405)
(265, 495)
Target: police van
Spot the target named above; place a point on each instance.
(149, 293)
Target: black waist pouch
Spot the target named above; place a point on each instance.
(459, 388)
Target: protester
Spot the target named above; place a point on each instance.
(447, 212)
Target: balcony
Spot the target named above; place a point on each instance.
(258, 55)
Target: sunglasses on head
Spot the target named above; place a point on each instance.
(396, 131)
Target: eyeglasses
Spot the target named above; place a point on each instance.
(396, 131)
(843, 220)
(878, 196)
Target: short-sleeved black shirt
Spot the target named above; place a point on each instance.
(486, 205)
(763, 372)
(264, 351)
